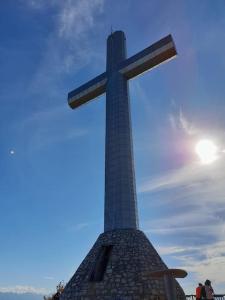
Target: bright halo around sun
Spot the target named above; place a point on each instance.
(207, 151)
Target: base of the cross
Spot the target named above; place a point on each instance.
(119, 267)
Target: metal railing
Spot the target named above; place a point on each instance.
(216, 297)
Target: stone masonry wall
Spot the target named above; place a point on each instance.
(126, 277)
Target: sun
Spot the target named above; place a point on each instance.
(207, 151)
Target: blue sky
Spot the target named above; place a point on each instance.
(52, 158)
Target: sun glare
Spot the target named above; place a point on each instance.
(207, 151)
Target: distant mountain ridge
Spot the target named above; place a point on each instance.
(16, 296)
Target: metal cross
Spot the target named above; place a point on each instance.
(120, 187)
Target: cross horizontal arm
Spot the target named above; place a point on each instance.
(87, 91)
(150, 57)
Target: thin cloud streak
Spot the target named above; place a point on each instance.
(68, 47)
(197, 224)
(199, 200)
(203, 262)
(76, 18)
(23, 289)
(210, 264)
(193, 175)
(81, 226)
(48, 277)
(43, 128)
(178, 121)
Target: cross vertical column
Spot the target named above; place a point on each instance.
(120, 189)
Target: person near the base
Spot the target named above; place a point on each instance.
(198, 291)
(207, 291)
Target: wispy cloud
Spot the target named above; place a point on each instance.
(22, 289)
(196, 225)
(48, 127)
(73, 18)
(43, 137)
(80, 226)
(36, 4)
(48, 277)
(67, 46)
(195, 176)
(194, 191)
(206, 261)
(201, 260)
(179, 121)
(186, 125)
(76, 17)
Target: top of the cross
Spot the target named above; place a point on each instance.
(116, 33)
(135, 65)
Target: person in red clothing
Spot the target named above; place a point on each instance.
(198, 292)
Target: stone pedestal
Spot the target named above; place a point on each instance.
(117, 268)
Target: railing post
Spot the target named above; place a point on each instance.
(216, 297)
